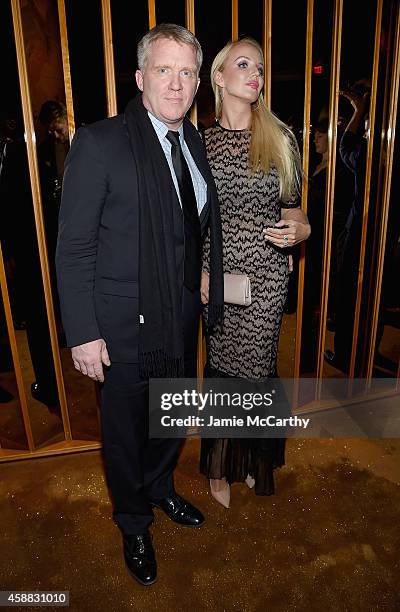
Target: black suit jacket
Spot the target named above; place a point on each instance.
(97, 254)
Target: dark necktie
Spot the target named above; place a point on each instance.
(192, 263)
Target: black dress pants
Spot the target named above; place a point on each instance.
(140, 469)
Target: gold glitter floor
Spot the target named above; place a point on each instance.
(329, 540)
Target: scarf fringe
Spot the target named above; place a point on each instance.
(215, 314)
(157, 364)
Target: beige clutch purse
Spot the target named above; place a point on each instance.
(237, 289)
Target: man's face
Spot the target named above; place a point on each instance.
(169, 81)
(59, 129)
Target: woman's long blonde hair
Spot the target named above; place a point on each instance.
(272, 142)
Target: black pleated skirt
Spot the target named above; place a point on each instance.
(236, 458)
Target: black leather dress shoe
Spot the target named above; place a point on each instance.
(180, 511)
(140, 558)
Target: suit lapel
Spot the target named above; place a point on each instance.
(197, 151)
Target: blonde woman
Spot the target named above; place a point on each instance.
(256, 167)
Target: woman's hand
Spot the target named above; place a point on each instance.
(287, 233)
(204, 287)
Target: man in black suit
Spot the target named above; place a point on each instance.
(137, 197)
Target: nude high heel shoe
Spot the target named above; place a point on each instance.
(221, 491)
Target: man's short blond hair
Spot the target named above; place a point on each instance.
(170, 31)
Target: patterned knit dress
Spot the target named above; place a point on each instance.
(246, 346)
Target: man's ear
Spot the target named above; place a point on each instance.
(139, 79)
(198, 83)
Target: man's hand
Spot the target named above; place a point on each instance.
(204, 287)
(88, 358)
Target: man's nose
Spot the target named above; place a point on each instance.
(175, 82)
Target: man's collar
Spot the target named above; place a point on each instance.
(162, 128)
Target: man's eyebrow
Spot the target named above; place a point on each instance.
(182, 68)
(191, 68)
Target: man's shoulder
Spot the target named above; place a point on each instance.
(105, 127)
(105, 134)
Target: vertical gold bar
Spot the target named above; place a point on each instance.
(66, 68)
(190, 24)
(304, 194)
(37, 206)
(14, 353)
(189, 15)
(330, 187)
(267, 49)
(108, 58)
(389, 141)
(379, 182)
(368, 170)
(235, 19)
(152, 13)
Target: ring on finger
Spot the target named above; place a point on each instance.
(286, 239)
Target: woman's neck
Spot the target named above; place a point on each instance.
(236, 117)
